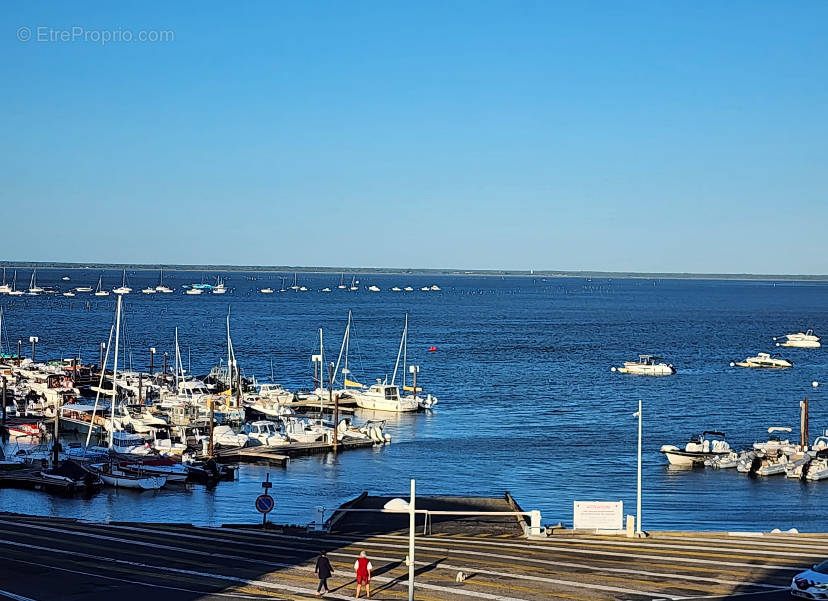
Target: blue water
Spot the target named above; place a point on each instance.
(527, 400)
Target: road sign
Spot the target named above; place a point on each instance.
(267, 485)
(264, 503)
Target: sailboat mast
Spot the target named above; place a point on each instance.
(115, 375)
(229, 354)
(405, 350)
(321, 374)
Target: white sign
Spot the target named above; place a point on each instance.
(598, 515)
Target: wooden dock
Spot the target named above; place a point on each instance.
(282, 455)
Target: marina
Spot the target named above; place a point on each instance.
(577, 395)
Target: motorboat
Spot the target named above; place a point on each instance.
(148, 290)
(193, 291)
(435, 288)
(24, 430)
(799, 340)
(818, 468)
(83, 289)
(396, 289)
(777, 442)
(772, 464)
(748, 461)
(126, 443)
(69, 293)
(302, 430)
(383, 397)
(266, 290)
(647, 365)
(219, 288)
(425, 289)
(373, 288)
(408, 289)
(797, 466)
(728, 461)
(326, 289)
(65, 278)
(77, 476)
(763, 360)
(699, 448)
(264, 433)
(226, 437)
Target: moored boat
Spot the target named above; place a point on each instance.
(763, 361)
(799, 340)
(647, 365)
(700, 447)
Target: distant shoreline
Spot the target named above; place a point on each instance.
(416, 271)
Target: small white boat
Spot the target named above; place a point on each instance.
(647, 365)
(69, 293)
(746, 461)
(799, 340)
(425, 289)
(148, 290)
(796, 465)
(373, 288)
(83, 289)
(193, 291)
(773, 465)
(383, 397)
(396, 289)
(264, 433)
(300, 430)
(123, 288)
(763, 360)
(435, 288)
(326, 289)
(409, 289)
(777, 441)
(817, 469)
(266, 290)
(65, 278)
(224, 436)
(219, 288)
(721, 462)
(702, 446)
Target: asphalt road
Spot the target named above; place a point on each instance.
(48, 560)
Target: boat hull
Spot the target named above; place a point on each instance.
(688, 458)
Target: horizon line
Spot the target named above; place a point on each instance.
(411, 270)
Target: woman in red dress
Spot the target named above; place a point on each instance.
(363, 569)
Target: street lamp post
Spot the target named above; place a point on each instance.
(411, 528)
(638, 495)
(33, 340)
(19, 346)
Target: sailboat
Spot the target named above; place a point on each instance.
(123, 288)
(161, 287)
(4, 287)
(295, 285)
(426, 402)
(354, 283)
(99, 291)
(34, 289)
(341, 282)
(83, 289)
(14, 291)
(110, 472)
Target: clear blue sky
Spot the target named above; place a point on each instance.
(647, 136)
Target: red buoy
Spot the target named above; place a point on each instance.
(431, 349)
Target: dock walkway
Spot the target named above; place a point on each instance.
(46, 558)
(282, 455)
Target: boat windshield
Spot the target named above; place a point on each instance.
(822, 568)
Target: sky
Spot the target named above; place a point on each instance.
(621, 136)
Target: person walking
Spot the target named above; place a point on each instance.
(323, 570)
(363, 568)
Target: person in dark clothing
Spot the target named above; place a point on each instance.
(323, 570)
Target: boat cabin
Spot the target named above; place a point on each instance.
(388, 391)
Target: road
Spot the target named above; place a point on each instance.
(46, 559)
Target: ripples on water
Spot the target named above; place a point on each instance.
(527, 401)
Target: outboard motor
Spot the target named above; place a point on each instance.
(755, 465)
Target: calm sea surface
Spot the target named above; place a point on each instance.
(522, 370)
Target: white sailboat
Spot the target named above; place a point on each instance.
(99, 291)
(161, 287)
(423, 402)
(295, 286)
(353, 287)
(4, 287)
(219, 288)
(123, 288)
(34, 289)
(341, 281)
(14, 291)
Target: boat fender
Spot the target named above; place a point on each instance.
(387, 437)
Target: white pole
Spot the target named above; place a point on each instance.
(638, 499)
(411, 528)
